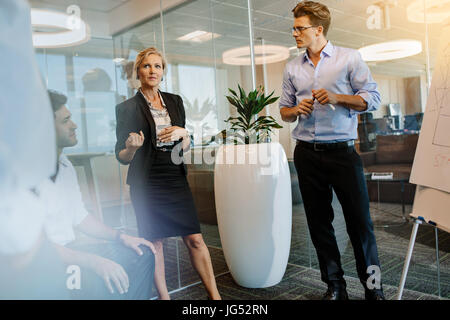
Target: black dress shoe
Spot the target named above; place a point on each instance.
(374, 295)
(335, 294)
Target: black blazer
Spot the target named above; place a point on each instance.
(133, 115)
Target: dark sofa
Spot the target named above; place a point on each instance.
(393, 153)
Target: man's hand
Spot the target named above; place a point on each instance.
(173, 133)
(134, 242)
(109, 270)
(305, 107)
(135, 141)
(324, 96)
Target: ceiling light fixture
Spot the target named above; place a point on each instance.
(119, 60)
(437, 11)
(70, 29)
(297, 51)
(263, 55)
(391, 50)
(199, 36)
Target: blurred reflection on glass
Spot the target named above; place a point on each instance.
(119, 269)
(29, 268)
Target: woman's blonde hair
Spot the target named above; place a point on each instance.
(144, 54)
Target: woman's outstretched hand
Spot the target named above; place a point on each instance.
(135, 141)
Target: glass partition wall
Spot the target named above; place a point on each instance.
(193, 37)
(197, 38)
(402, 64)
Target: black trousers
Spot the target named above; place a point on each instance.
(140, 271)
(319, 172)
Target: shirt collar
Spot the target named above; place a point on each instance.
(64, 160)
(328, 50)
(148, 102)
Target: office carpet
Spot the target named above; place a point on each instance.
(302, 278)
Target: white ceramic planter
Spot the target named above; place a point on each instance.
(254, 211)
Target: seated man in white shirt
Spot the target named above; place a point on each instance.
(122, 268)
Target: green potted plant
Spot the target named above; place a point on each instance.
(252, 188)
(248, 127)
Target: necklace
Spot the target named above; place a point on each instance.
(155, 104)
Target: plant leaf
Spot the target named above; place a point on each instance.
(247, 107)
(233, 92)
(242, 92)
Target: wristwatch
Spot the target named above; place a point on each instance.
(118, 234)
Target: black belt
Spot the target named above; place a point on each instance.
(165, 149)
(317, 146)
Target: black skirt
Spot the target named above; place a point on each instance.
(163, 204)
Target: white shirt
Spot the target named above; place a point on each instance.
(340, 70)
(64, 204)
(161, 118)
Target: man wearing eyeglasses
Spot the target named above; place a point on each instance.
(325, 89)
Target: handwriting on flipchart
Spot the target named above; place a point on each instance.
(441, 160)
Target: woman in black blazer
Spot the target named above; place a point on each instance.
(151, 138)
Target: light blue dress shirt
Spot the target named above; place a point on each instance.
(340, 71)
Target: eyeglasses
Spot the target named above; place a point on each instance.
(301, 29)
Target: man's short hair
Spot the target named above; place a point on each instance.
(318, 14)
(57, 99)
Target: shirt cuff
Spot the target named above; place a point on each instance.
(367, 99)
(286, 105)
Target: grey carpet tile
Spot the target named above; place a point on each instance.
(303, 292)
(302, 259)
(392, 245)
(390, 292)
(196, 292)
(410, 295)
(444, 260)
(310, 278)
(421, 279)
(270, 293)
(211, 235)
(430, 297)
(301, 284)
(229, 288)
(310, 295)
